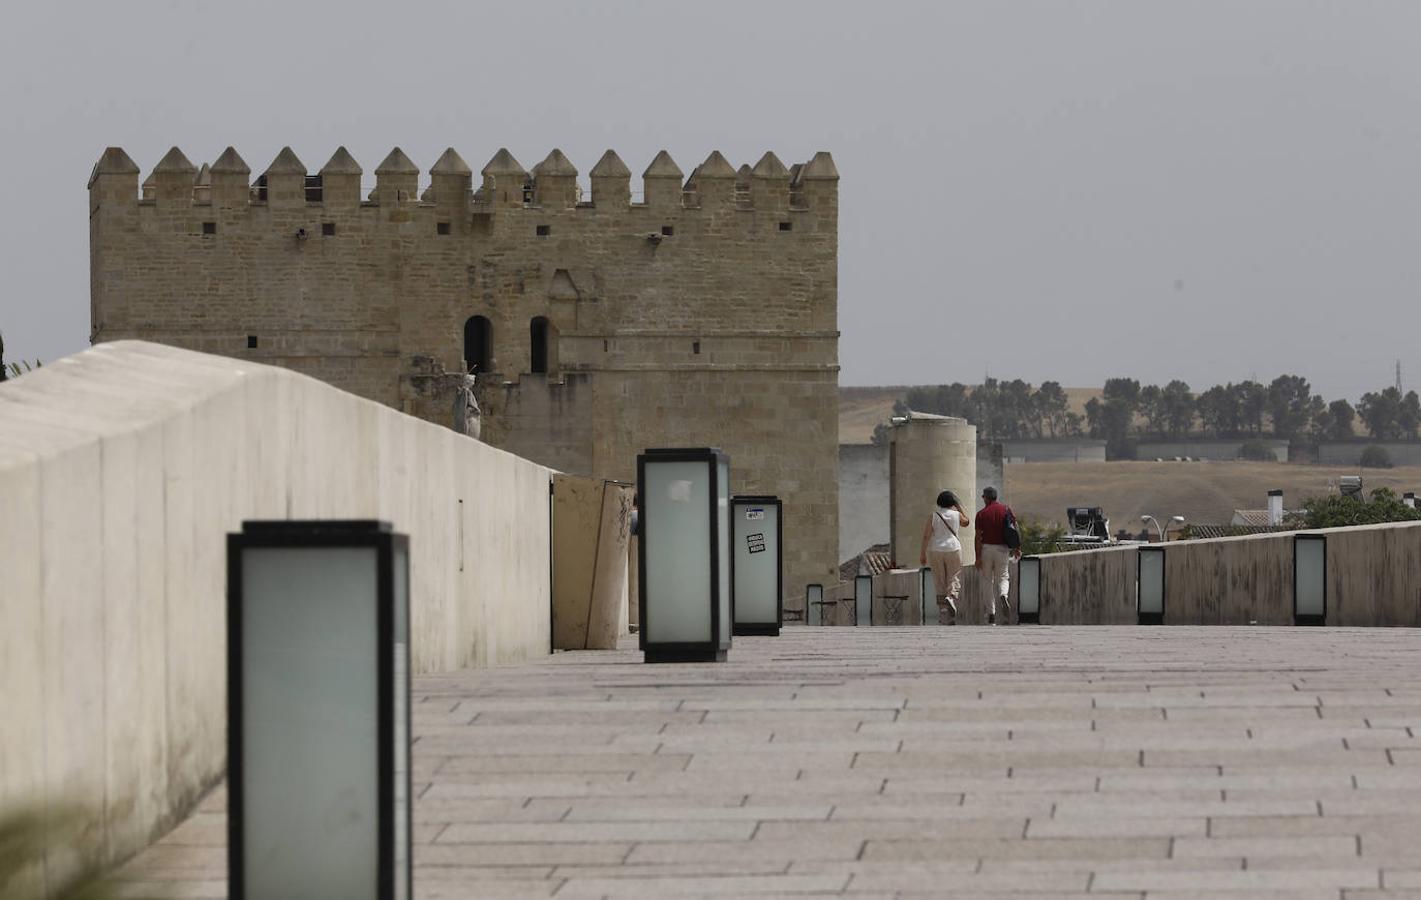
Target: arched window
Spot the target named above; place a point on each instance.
(478, 344)
(538, 333)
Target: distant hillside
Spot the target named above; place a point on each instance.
(861, 408)
(1202, 492)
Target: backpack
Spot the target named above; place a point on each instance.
(1010, 533)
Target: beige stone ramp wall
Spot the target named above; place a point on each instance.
(1089, 587)
(1373, 579)
(121, 471)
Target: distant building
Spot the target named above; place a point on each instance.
(698, 311)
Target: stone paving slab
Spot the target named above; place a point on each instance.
(1143, 763)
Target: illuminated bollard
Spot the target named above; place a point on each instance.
(1028, 604)
(1310, 579)
(814, 604)
(318, 711)
(1149, 602)
(757, 534)
(685, 558)
(863, 599)
(928, 595)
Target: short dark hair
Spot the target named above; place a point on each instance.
(990, 493)
(947, 499)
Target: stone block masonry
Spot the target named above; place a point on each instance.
(703, 312)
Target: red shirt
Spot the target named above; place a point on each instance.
(992, 522)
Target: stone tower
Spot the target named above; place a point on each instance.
(928, 454)
(701, 311)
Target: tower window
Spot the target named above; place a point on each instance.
(441, 228)
(209, 227)
(478, 344)
(696, 347)
(251, 342)
(538, 335)
(544, 230)
(668, 230)
(328, 229)
(786, 226)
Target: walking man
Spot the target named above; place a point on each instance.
(993, 554)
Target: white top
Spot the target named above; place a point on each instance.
(945, 527)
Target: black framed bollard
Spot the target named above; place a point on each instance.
(927, 596)
(1310, 579)
(1150, 586)
(814, 604)
(685, 562)
(1028, 603)
(863, 599)
(757, 534)
(318, 711)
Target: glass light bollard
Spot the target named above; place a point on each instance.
(686, 568)
(1310, 579)
(318, 715)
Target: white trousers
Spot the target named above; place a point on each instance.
(996, 568)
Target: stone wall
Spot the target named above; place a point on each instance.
(1054, 450)
(1373, 579)
(1214, 449)
(704, 314)
(1349, 453)
(122, 470)
(1094, 587)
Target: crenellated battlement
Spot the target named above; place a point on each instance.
(175, 181)
(605, 307)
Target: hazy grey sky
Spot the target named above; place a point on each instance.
(1067, 190)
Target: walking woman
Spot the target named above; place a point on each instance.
(942, 550)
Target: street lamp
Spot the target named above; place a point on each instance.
(1174, 520)
(1158, 530)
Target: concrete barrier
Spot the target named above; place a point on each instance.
(1229, 581)
(1373, 579)
(1088, 587)
(1374, 575)
(121, 471)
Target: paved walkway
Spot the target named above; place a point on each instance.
(944, 762)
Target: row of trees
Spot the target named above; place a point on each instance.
(1286, 409)
(999, 409)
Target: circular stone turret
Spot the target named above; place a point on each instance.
(928, 454)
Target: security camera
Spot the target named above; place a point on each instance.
(653, 238)
(301, 234)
